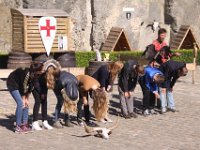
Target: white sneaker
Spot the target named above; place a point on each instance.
(36, 126)
(153, 112)
(46, 125)
(146, 112)
(163, 110)
(81, 124)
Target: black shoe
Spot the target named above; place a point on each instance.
(126, 116)
(68, 124)
(133, 115)
(57, 124)
(172, 110)
(91, 124)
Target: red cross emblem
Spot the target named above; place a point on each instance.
(48, 27)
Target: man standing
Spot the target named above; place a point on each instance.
(161, 46)
(159, 52)
(159, 43)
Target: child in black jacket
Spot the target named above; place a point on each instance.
(67, 92)
(49, 70)
(40, 96)
(127, 82)
(172, 70)
(106, 74)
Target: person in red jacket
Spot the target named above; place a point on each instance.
(159, 52)
(161, 46)
(159, 43)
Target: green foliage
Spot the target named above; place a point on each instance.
(3, 53)
(186, 56)
(83, 58)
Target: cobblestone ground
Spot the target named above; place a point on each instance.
(170, 131)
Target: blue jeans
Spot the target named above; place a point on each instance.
(21, 113)
(167, 99)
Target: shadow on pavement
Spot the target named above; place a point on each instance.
(116, 105)
(8, 122)
(82, 136)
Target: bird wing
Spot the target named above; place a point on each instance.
(88, 129)
(115, 125)
(149, 25)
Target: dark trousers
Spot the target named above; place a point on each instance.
(59, 105)
(36, 108)
(149, 99)
(83, 110)
(148, 96)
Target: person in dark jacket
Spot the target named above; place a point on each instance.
(127, 82)
(40, 96)
(172, 70)
(106, 74)
(20, 85)
(48, 71)
(149, 84)
(67, 92)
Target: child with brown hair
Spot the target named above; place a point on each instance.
(89, 85)
(149, 84)
(20, 85)
(47, 77)
(86, 84)
(106, 74)
(127, 82)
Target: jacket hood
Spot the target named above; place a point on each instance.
(51, 62)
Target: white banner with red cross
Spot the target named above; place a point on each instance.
(47, 27)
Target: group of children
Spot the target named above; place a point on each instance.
(156, 80)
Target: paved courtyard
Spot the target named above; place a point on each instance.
(171, 131)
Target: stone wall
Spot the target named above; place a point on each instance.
(5, 23)
(183, 12)
(111, 14)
